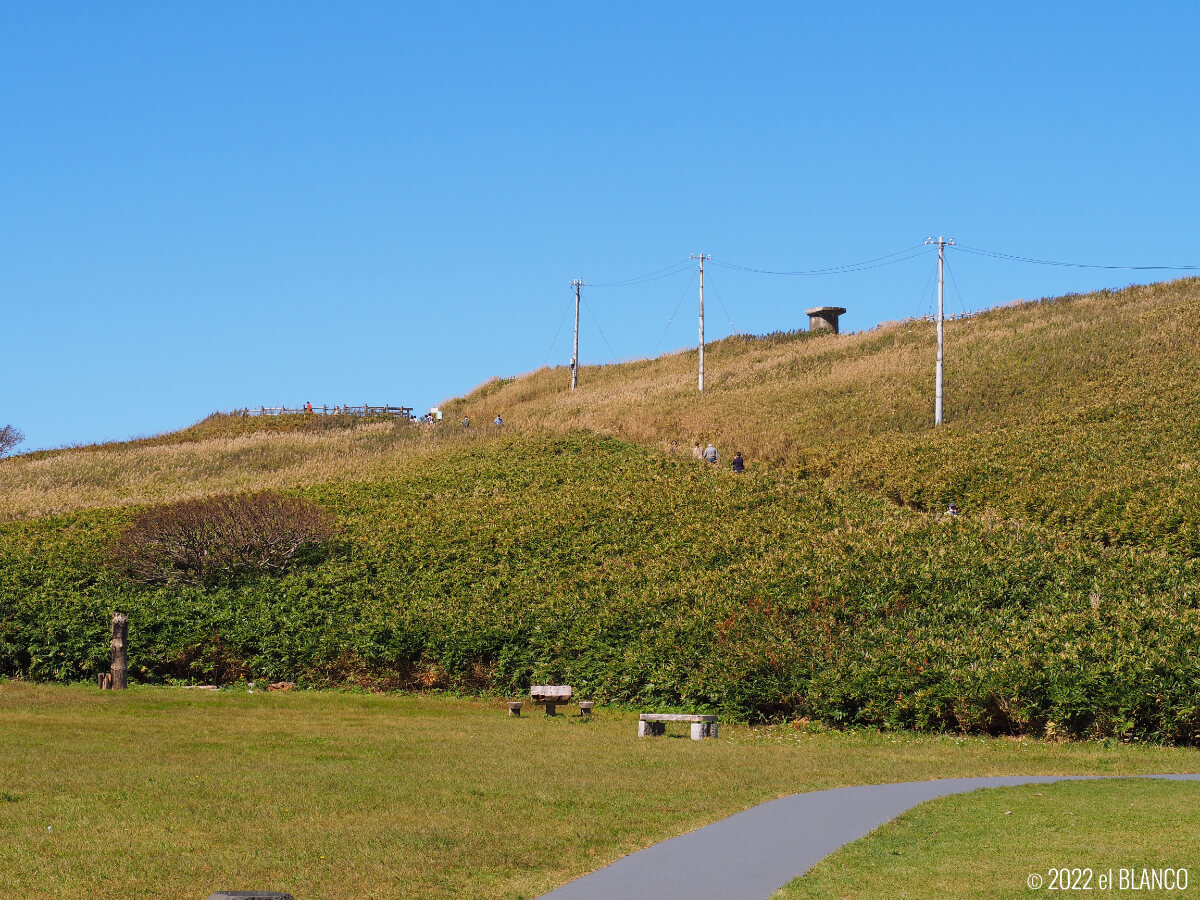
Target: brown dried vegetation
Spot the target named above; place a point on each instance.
(218, 539)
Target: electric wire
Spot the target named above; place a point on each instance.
(717, 291)
(995, 254)
(666, 272)
(557, 332)
(962, 307)
(674, 312)
(877, 262)
(889, 259)
(588, 306)
(926, 293)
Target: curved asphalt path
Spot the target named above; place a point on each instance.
(754, 853)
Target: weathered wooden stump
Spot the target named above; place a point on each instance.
(120, 652)
(585, 708)
(514, 708)
(104, 680)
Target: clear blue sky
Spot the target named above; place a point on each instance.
(207, 206)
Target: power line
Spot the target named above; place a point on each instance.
(588, 307)
(878, 262)
(666, 272)
(721, 300)
(557, 331)
(927, 293)
(962, 306)
(687, 287)
(995, 254)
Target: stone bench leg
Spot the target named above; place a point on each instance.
(651, 729)
(702, 730)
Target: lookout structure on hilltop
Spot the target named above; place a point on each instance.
(824, 318)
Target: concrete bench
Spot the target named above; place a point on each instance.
(585, 708)
(551, 695)
(652, 724)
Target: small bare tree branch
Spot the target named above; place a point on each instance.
(10, 436)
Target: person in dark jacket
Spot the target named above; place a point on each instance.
(739, 465)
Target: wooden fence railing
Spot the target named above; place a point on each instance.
(345, 409)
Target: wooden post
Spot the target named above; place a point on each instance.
(514, 708)
(120, 651)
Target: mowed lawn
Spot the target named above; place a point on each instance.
(989, 844)
(174, 793)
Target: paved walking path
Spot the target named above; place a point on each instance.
(752, 854)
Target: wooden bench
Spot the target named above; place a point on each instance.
(652, 724)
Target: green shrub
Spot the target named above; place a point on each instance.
(650, 580)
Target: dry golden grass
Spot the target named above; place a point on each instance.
(782, 398)
(844, 406)
(147, 472)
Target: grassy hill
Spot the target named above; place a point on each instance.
(571, 546)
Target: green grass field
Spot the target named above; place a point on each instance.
(171, 793)
(985, 845)
(650, 579)
(574, 546)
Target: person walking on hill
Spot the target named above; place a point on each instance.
(710, 454)
(497, 421)
(466, 422)
(739, 464)
(696, 451)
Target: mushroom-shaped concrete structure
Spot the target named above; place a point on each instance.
(824, 318)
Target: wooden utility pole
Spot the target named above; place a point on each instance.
(702, 258)
(937, 397)
(577, 284)
(120, 651)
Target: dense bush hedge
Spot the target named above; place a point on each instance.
(649, 579)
